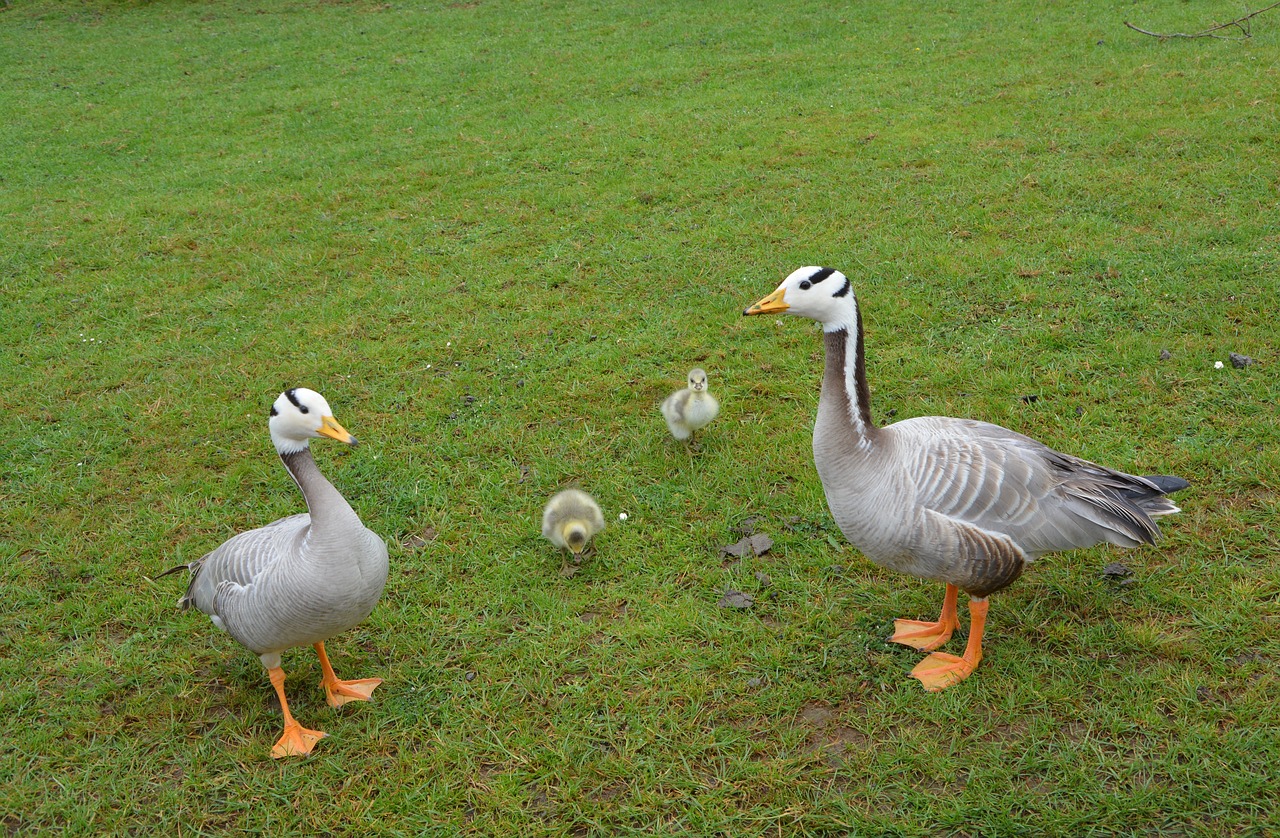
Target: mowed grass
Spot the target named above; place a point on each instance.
(495, 236)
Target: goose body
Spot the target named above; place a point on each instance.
(966, 503)
(570, 520)
(299, 580)
(692, 408)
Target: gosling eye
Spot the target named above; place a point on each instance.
(805, 285)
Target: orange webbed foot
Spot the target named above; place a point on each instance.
(940, 670)
(297, 741)
(927, 636)
(338, 693)
(921, 634)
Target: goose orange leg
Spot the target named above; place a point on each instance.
(940, 670)
(927, 636)
(297, 741)
(339, 692)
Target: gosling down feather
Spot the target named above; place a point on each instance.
(957, 501)
(570, 520)
(692, 408)
(302, 579)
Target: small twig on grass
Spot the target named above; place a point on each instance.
(1241, 23)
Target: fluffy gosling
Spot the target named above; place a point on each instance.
(692, 408)
(570, 520)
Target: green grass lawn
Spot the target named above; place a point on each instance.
(495, 235)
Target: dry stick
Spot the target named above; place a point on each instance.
(1239, 23)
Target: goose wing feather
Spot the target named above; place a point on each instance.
(239, 559)
(1000, 481)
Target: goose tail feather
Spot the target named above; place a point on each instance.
(1151, 497)
(1118, 520)
(1167, 484)
(187, 600)
(1124, 509)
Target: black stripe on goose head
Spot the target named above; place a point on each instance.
(292, 395)
(818, 276)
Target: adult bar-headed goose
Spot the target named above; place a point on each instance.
(954, 500)
(302, 579)
(571, 519)
(692, 408)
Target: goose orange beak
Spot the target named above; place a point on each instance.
(329, 427)
(769, 305)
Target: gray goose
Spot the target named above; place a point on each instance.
(957, 501)
(691, 409)
(300, 580)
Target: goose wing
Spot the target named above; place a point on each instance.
(238, 560)
(1002, 483)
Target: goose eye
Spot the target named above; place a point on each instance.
(805, 285)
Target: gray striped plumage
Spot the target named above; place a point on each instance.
(969, 502)
(297, 581)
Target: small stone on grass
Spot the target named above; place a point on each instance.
(736, 599)
(752, 545)
(1118, 572)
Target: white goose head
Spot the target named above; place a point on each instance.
(822, 294)
(300, 415)
(697, 379)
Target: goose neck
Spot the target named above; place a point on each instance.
(326, 504)
(844, 380)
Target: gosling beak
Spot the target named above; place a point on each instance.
(575, 536)
(329, 427)
(769, 305)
